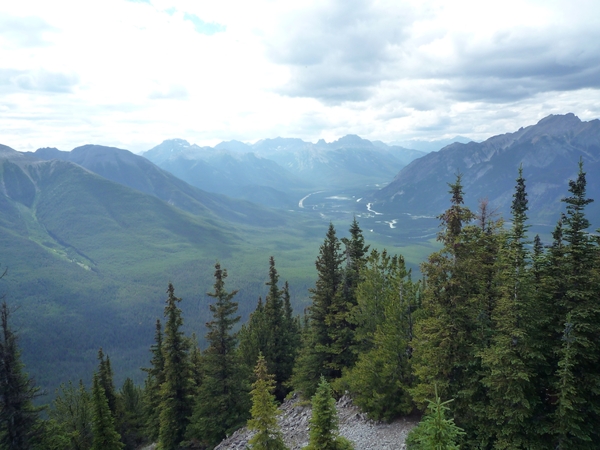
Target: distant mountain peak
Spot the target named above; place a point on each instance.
(351, 140)
(569, 118)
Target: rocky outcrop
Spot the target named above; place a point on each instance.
(354, 425)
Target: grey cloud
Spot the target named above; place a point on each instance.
(346, 51)
(338, 52)
(24, 31)
(520, 64)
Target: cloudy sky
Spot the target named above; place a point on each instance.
(134, 73)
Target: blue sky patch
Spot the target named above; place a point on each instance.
(203, 27)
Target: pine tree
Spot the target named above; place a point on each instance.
(264, 411)
(454, 326)
(197, 365)
(435, 431)
(292, 338)
(105, 377)
(509, 362)
(316, 357)
(131, 419)
(380, 380)
(254, 335)
(20, 425)
(153, 383)
(578, 375)
(341, 328)
(323, 434)
(223, 403)
(175, 402)
(72, 411)
(275, 350)
(104, 431)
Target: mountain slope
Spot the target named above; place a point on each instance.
(139, 173)
(549, 152)
(88, 262)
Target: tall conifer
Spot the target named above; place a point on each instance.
(223, 403)
(264, 411)
(316, 357)
(104, 430)
(20, 425)
(578, 375)
(509, 362)
(152, 387)
(175, 403)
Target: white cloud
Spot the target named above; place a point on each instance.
(133, 73)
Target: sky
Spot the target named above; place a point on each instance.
(132, 74)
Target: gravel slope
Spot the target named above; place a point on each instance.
(354, 425)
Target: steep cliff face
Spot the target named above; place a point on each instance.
(549, 152)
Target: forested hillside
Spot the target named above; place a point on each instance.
(497, 344)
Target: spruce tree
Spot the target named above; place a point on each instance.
(20, 425)
(509, 362)
(454, 326)
(578, 374)
(105, 377)
(324, 427)
(223, 403)
(264, 411)
(435, 431)
(275, 351)
(131, 415)
(152, 386)
(341, 328)
(382, 376)
(72, 411)
(316, 357)
(292, 336)
(104, 431)
(175, 402)
(254, 335)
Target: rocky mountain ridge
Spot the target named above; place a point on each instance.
(549, 152)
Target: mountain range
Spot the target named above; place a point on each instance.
(274, 172)
(548, 151)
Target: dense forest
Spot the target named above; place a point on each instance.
(497, 344)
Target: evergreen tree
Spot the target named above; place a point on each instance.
(131, 419)
(175, 402)
(264, 411)
(316, 357)
(197, 364)
(72, 411)
(292, 337)
(223, 403)
(454, 326)
(323, 434)
(152, 387)
(254, 335)
(435, 431)
(105, 377)
(380, 380)
(278, 361)
(20, 425)
(341, 328)
(104, 431)
(578, 375)
(509, 362)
